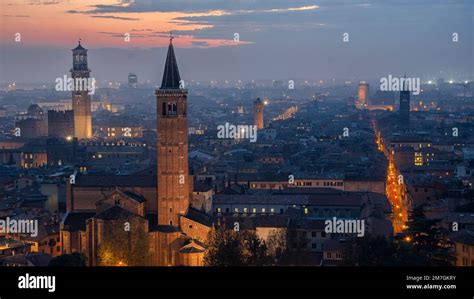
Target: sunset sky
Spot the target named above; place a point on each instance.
(278, 39)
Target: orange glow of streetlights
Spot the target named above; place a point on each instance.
(121, 264)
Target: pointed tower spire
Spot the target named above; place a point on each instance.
(171, 76)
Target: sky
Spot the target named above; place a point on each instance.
(277, 39)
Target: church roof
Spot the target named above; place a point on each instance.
(199, 217)
(191, 250)
(101, 180)
(134, 196)
(171, 76)
(74, 221)
(114, 213)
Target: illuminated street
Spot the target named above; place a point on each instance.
(394, 191)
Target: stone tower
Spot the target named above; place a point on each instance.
(404, 104)
(172, 144)
(81, 100)
(258, 114)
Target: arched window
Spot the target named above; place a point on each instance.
(174, 109)
(164, 108)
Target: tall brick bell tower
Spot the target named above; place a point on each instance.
(172, 145)
(81, 100)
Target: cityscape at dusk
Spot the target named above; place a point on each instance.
(221, 134)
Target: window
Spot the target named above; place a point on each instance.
(313, 234)
(313, 245)
(272, 210)
(171, 222)
(306, 210)
(236, 210)
(218, 210)
(190, 226)
(254, 210)
(227, 210)
(263, 210)
(328, 255)
(245, 210)
(323, 234)
(282, 211)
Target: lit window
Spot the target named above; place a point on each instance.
(236, 210)
(272, 210)
(263, 210)
(245, 210)
(254, 210)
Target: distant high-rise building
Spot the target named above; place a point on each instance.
(132, 80)
(404, 105)
(258, 113)
(363, 94)
(81, 100)
(172, 145)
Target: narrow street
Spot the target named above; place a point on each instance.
(394, 190)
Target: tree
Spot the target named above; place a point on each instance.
(235, 248)
(277, 243)
(378, 251)
(68, 260)
(428, 239)
(120, 247)
(255, 250)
